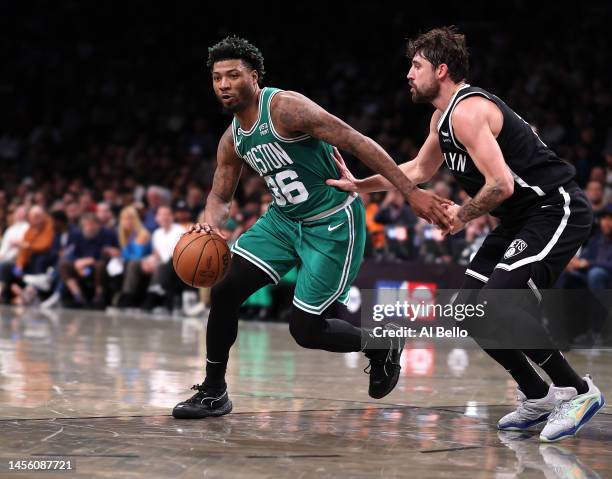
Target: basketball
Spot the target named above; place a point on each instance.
(201, 259)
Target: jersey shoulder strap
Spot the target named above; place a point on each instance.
(462, 95)
(275, 133)
(236, 135)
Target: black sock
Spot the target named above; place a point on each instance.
(243, 279)
(215, 374)
(527, 378)
(558, 369)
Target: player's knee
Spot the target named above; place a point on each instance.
(305, 328)
(242, 280)
(303, 335)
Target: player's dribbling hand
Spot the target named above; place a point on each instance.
(347, 181)
(204, 228)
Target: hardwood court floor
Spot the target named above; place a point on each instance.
(99, 389)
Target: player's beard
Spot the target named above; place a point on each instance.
(230, 110)
(426, 94)
(239, 104)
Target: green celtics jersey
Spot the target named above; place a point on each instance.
(295, 169)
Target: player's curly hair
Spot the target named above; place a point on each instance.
(236, 48)
(443, 45)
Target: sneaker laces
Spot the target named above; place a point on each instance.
(560, 410)
(200, 388)
(379, 362)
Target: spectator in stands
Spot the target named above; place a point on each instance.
(86, 202)
(164, 283)
(595, 193)
(14, 235)
(598, 174)
(593, 267)
(434, 247)
(61, 241)
(399, 221)
(32, 257)
(134, 239)
(442, 189)
(105, 215)
(475, 233)
(182, 214)
(194, 200)
(375, 240)
(135, 243)
(84, 267)
(112, 198)
(73, 212)
(156, 197)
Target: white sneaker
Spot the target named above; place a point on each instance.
(530, 412)
(51, 301)
(572, 412)
(42, 282)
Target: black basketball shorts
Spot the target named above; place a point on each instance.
(536, 248)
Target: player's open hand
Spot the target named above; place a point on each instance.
(204, 228)
(431, 207)
(347, 181)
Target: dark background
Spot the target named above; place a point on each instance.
(110, 72)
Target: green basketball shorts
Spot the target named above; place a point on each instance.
(327, 251)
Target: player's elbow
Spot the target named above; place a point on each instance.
(506, 187)
(500, 187)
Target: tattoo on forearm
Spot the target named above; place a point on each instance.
(217, 210)
(487, 199)
(227, 174)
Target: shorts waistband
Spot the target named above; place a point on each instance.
(324, 214)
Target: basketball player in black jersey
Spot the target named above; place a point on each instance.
(510, 173)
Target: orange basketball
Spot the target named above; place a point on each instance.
(201, 259)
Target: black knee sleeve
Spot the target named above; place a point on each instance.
(306, 328)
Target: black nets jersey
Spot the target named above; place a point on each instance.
(538, 172)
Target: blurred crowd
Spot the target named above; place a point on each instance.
(107, 143)
(81, 252)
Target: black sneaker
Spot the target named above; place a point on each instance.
(384, 368)
(205, 403)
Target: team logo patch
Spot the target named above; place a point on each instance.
(263, 129)
(517, 246)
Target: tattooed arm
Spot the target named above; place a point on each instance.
(294, 114)
(476, 121)
(225, 181)
(418, 170)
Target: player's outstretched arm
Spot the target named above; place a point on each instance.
(472, 120)
(419, 170)
(225, 181)
(294, 114)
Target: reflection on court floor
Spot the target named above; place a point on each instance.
(99, 389)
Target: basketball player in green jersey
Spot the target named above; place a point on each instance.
(286, 138)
